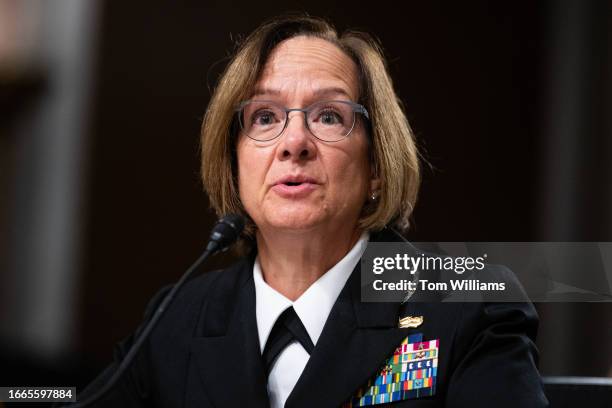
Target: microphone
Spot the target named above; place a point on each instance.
(224, 234)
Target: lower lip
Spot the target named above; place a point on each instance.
(299, 191)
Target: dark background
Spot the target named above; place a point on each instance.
(510, 104)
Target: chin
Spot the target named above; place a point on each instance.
(295, 218)
(297, 225)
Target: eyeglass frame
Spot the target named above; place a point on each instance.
(357, 108)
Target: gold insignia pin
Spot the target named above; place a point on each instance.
(410, 322)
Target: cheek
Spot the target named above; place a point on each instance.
(349, 173)
(252, 169)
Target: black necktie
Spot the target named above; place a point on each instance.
(288, 327)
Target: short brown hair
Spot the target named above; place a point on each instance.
(393, 150)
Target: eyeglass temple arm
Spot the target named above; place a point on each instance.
(361, 109)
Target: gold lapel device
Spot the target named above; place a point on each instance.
(410, 322)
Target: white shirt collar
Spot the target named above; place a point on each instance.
(314, 305)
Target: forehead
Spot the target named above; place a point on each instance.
(308, 67)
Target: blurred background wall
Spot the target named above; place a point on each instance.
(101, 105)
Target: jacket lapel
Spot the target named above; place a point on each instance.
(226, 356)
(355, 341)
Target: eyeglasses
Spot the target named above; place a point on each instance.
(329, 121)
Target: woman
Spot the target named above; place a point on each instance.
(305, 137)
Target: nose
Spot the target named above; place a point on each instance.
(296, 142)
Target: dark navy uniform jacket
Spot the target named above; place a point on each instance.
(205, 350)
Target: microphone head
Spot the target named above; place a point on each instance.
(225, 232)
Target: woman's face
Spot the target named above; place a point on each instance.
(296, 181)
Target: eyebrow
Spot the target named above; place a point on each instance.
(318, 92)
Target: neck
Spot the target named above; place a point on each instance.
(291, 262)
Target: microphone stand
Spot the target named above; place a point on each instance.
(224, 234)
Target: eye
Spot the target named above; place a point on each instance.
(330, 117)
(263, 117)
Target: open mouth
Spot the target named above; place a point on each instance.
(295, 187)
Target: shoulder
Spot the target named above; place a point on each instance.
(195, 294)
(220, 282)
(495, 289)
(494, 303)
